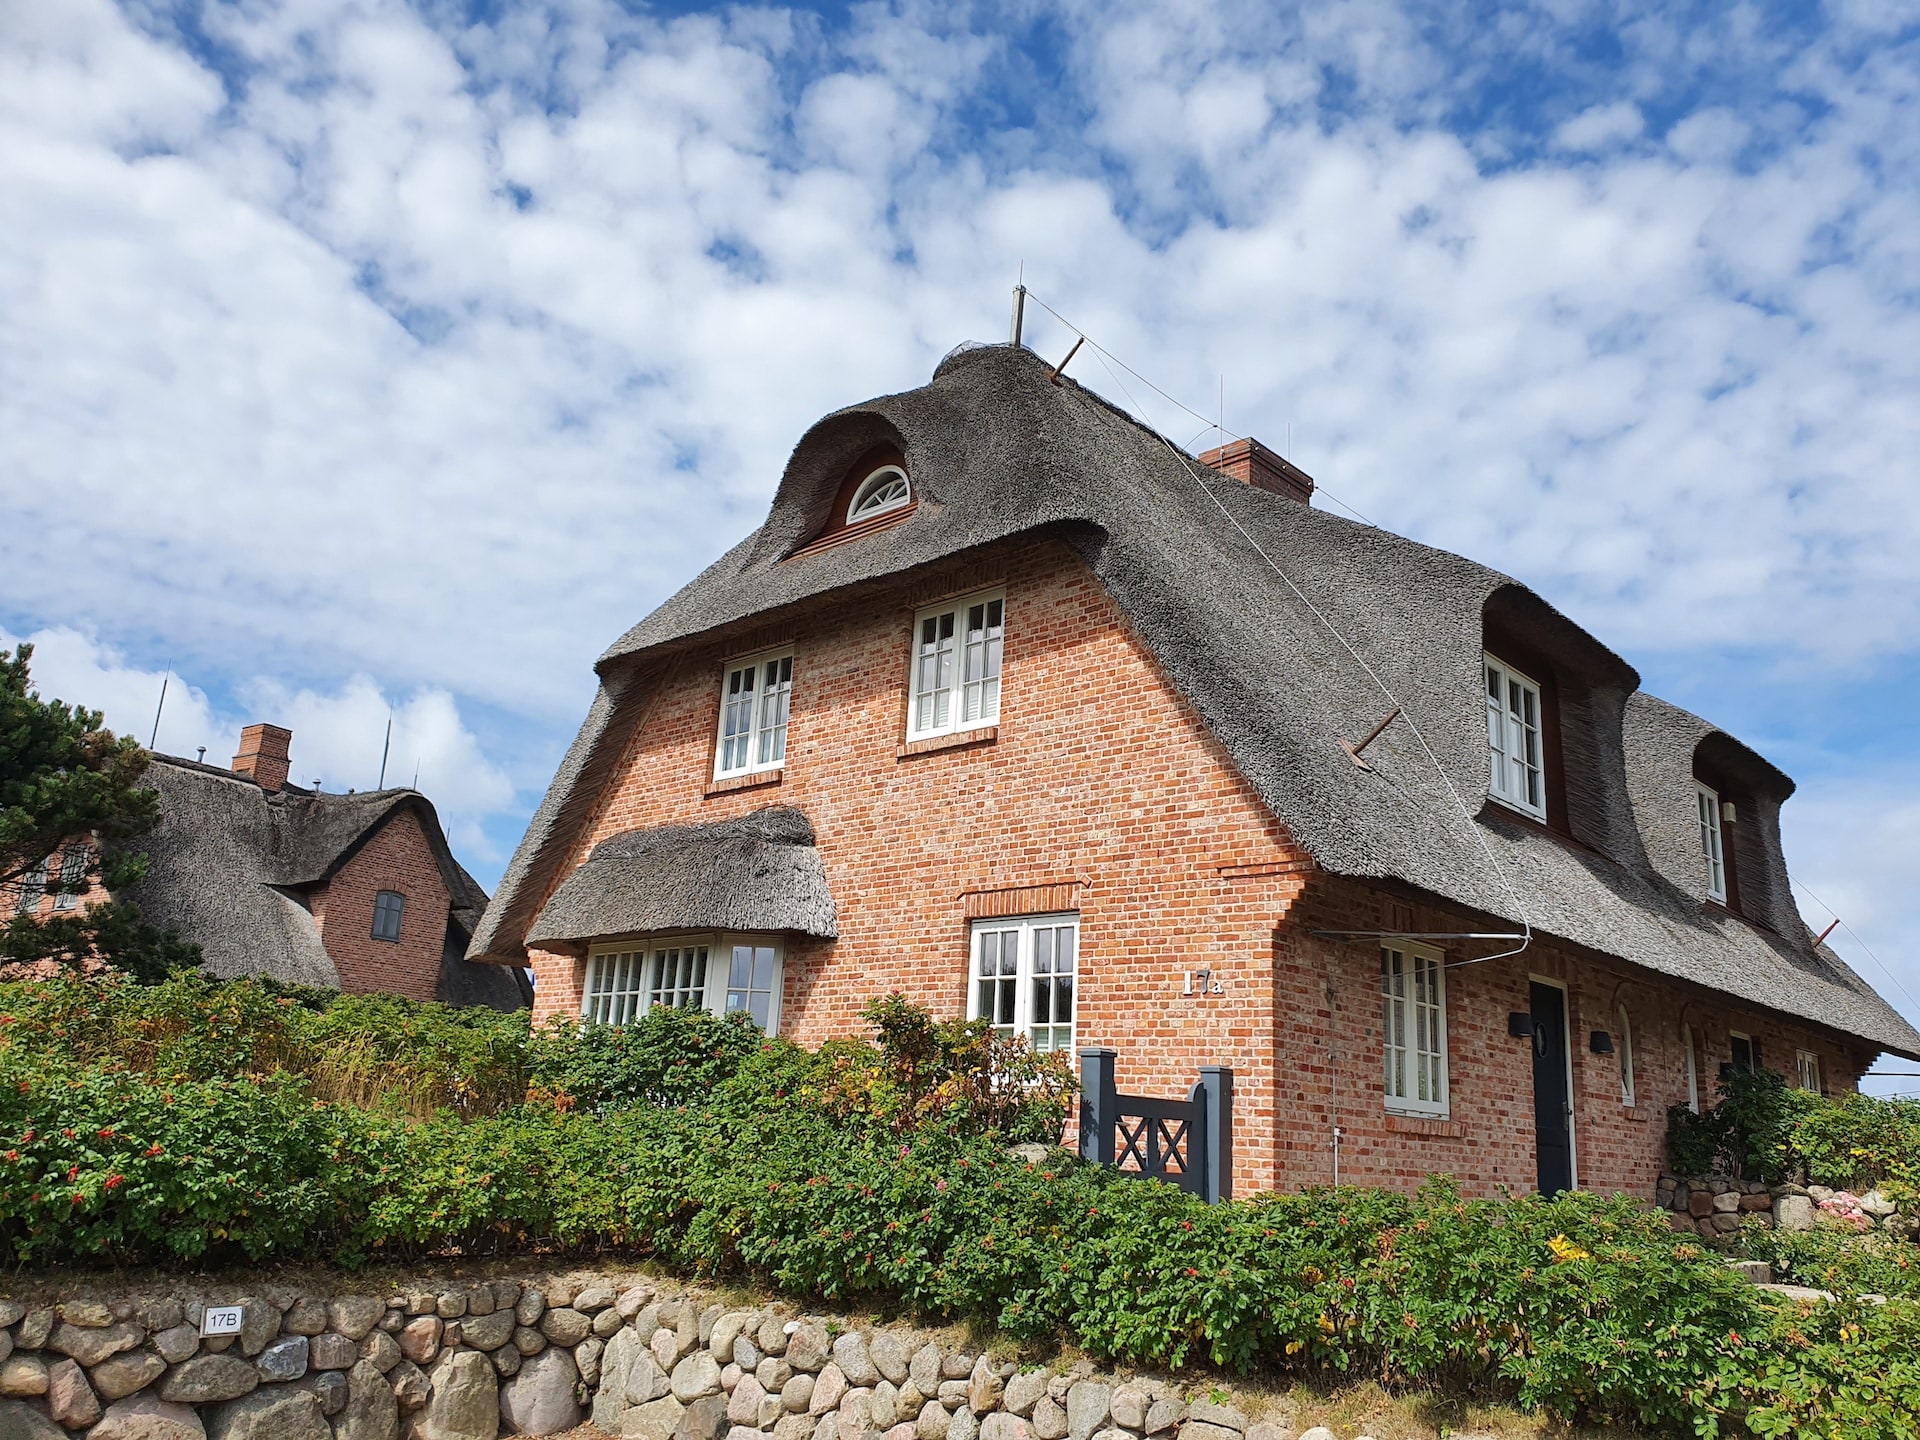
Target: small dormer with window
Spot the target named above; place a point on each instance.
(1708, 809)
(875, 493)
(1553, 697)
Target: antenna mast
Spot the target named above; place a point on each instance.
(386, 746)
(1019, 313)
(154, 739)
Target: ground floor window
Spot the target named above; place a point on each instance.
(723, 974)
(1024, 971)
(1743, 1053)
(1807, 1071)
(1413, 990)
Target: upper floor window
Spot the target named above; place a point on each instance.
(1516, 775)
(1413, 990)
(956, 666)
(388, 907)
(1712, 844)
(1024, 973)
(885, 490)
(724, 975)
(755, 702)
(73, 875)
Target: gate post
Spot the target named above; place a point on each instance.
(1216, 1181)
(1099, 1104)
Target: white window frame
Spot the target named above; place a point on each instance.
(1806, 1065)
(953, 669)
(1624, 1044)
(879, 480)
(1712, 842)
(1692, 1050)
(1515, 777)
(765, 707)
(1032, 971)
(1401, 1021)
(632, 972)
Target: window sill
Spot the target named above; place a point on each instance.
(744, 782)
(958, 740)
(1638, 1114)
(1400, 1124)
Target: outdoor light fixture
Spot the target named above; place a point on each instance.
(1520, 1025)
(1600, 1042)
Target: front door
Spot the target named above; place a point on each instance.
(1552, 1107)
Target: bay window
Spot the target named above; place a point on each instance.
(721, 974)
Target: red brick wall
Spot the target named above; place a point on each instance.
(1101, 792)
(1330, 1055)
(1100, 779)
(397, 856)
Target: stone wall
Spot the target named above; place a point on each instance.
(1715, 1206)
(507, 1357)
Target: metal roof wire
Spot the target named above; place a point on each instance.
(1332, 629)
(1211, 424)
(1862, 944)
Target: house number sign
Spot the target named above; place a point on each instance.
(222, 1319)
(1201, 982)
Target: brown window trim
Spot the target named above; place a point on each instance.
(752, 781)
(837, 531)
(958, 740)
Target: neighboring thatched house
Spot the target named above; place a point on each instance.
(1014, 708)
(357, 892)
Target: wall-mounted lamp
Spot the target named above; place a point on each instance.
(1600, 1042)
(1520, 1025)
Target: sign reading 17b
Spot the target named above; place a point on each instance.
(222, 1319)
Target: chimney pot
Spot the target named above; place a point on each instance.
(264, 757)
(1252, 463)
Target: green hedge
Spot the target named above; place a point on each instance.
(1764, 1128)
(865, 1174)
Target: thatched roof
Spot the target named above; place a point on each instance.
(759, 872)
(231, 867)
(997, 452)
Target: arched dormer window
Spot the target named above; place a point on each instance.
(884, 491)
(875, 494)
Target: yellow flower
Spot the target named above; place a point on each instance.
(1564, 1250)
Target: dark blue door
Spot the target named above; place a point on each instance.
(1552, 1110)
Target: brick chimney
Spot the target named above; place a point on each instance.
(1252, 463)
(265, 756)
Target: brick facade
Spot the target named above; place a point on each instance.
(397, 856)
(1101, 792)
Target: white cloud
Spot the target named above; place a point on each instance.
(1600, 127)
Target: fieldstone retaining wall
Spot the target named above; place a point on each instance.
(1716, 1205)
(506, 1357)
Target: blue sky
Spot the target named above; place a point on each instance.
(366, 355)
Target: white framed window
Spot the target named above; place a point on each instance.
(1515, 774)
(73, 870)
(1692, 1053)
(755, 701)
(1024, 974)
(721, 974)
(1413, 991)
(956, 666)
(1623, 1044)
(1707, 803)
(1807, 1071)
(884, 491)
